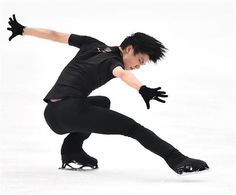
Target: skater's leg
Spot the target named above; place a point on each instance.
(71, 149)
(101, 101)
(151, 141)
(79, 115)
(73, 142)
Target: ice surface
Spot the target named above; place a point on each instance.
(198, 74)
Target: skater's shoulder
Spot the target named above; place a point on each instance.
(83, 41)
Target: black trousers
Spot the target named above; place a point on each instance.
(82, 116)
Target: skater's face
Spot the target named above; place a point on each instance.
(132, 61)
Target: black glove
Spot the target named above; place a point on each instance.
(148, 94)
(16, 28)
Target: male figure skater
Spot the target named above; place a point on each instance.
(71, 110)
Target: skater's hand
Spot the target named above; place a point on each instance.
(16, 28)
(149, 94)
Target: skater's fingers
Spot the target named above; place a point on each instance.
(147, 104)
(159, 93)
(158, 88)
(14, 17)
(10, 23)
(11, 37)
(9, 29)
(160, 100)
(163, 95)
(10, 19)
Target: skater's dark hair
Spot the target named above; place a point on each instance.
(143, 43)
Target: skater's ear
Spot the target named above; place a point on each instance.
(128, 49)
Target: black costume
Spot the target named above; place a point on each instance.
(89, 69)
(80, 114)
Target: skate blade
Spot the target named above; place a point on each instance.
(77, 169)
(194, 172)
(68, 167)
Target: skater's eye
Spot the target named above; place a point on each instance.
(141, 61)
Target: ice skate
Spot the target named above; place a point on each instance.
(190, 165)
(78, 161)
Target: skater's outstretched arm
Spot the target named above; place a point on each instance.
(146, 92)
(47, 34)
(18, 29)
(127, 76)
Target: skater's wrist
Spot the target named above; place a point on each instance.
(142, 87)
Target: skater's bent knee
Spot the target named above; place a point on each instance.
(101, 101)
(107, 102)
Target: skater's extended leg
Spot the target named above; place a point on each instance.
(174, 158)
